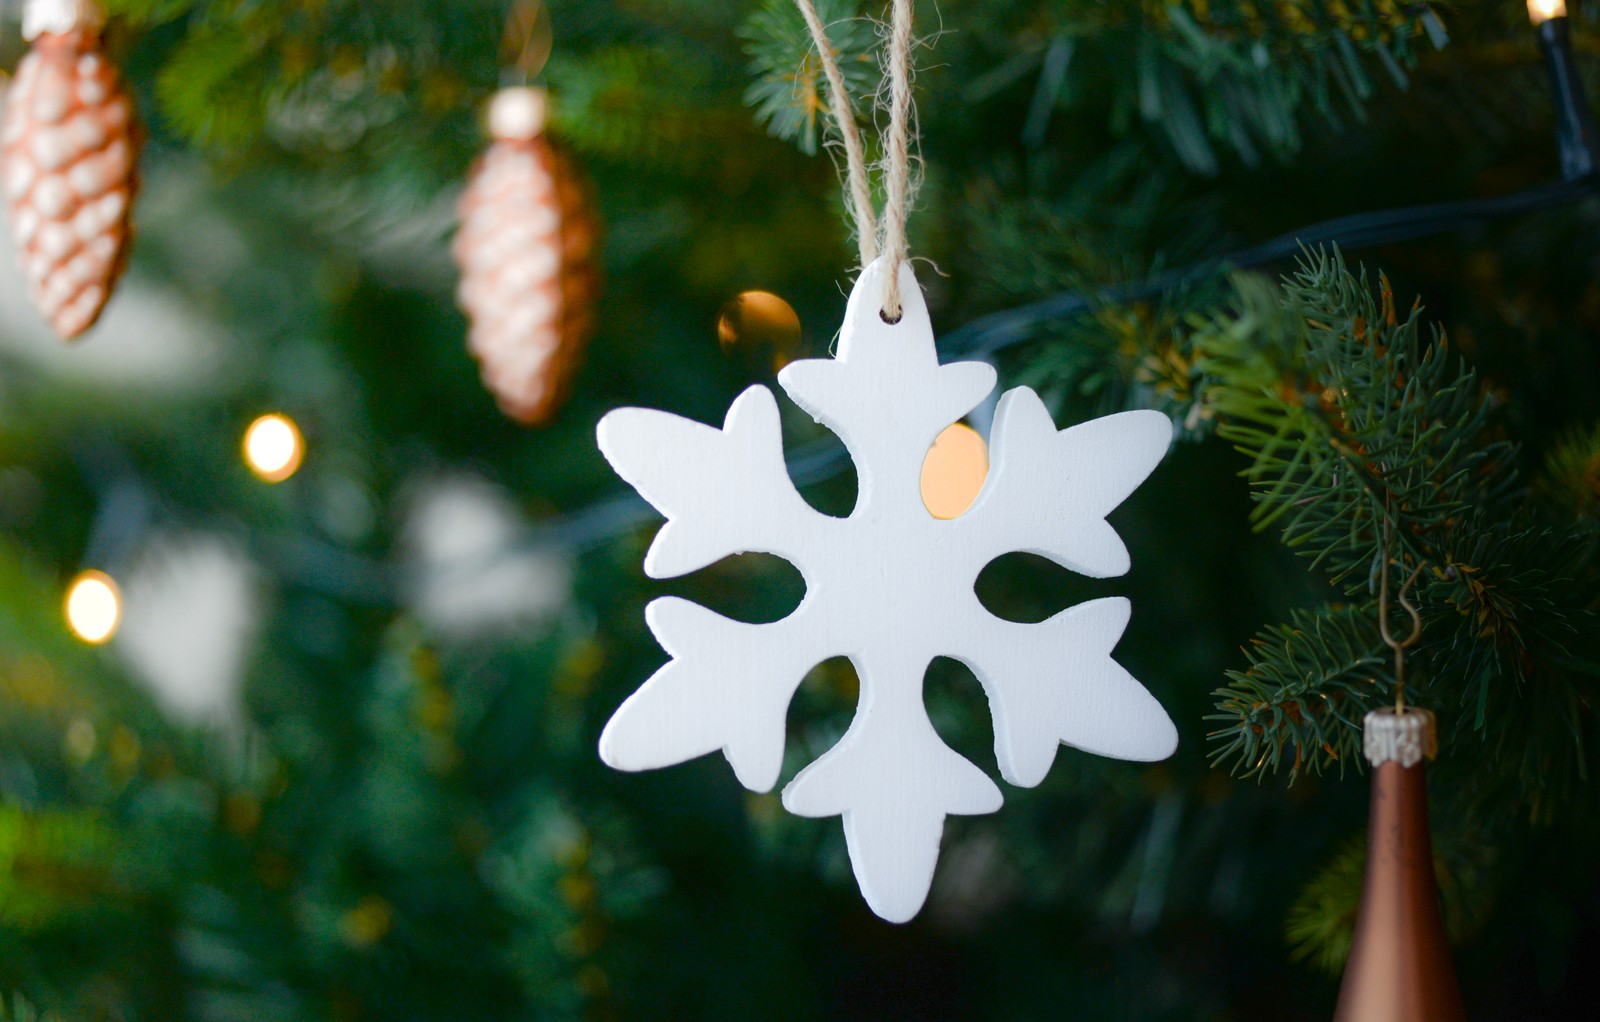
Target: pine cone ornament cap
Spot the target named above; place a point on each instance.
(58, 17)
(68, 166)
(527, 249)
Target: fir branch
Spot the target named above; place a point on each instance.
(21, 1010)
(51, 863)
(1321, 922)
(1569, 482)
(1301, 701)
(212, 87)
(1246, 69)
(1348, 415)
(611, 102)
(788, 93)
(1350, 419)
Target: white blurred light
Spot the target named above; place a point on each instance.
(152, 337)
(192, 611)
(471, 570)
(93, 607)
(1541, 11)
(273, 448)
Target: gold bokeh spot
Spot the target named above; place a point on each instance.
(754, 321)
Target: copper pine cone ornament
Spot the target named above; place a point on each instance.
(528, 252)
(68, 155)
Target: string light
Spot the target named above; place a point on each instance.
(954, 471)
(273, 447)
(93, 607)
(1541, 11)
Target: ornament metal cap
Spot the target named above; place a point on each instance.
(1405, 736)
(517, 114)
(58, 17)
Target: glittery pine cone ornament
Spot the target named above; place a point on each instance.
(68, 154)
(528, 252)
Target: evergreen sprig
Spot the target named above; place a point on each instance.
(1300, 703)
(1237, 72)
(789, 93)
(1368, 443)
(51, 863)
(1349, 417)
(22, 1010)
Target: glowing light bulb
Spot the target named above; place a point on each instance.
(1541, 11)
(94, 607)
(954, 471)
(273, 447)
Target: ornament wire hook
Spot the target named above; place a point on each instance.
(526, 42)
(1403, 598)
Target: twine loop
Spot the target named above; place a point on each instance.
(896, 146)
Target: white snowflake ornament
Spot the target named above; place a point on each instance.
(890, 587)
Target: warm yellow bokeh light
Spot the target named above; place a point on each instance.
(954, 470)
(760, 320)
(273, 448)
(94, 606)
(1541, 11)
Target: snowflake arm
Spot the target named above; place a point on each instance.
(1054, 683)
(1048, 492)
(885, 393)
(727, 687)
(741, 500)
(893, 780)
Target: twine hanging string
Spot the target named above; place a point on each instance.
(844, 115)
(526, 42)
(898, 156)
(897, 147)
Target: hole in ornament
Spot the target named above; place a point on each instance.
(959, 710)
(754, 588)
(821, 711)
(884, 315)
(953, 471)
(1027, 588)
(834, 494)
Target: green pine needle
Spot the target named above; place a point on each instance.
(790, 91)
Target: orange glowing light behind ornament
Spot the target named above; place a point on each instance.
(954, 471)
(273, 447)
(93, 607)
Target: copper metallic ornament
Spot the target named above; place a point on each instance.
(1400, 968)
(68, 165)
(528, 249)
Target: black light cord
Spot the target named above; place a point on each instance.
(1577, 141)
(1000, 330)
(326, 569)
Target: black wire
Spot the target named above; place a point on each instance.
(821, 459)
(999, 330)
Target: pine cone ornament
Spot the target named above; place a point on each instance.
(528, 252)
(68, 154)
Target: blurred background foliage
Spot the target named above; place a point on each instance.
(339, 763)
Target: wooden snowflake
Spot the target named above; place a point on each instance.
(890, 587)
